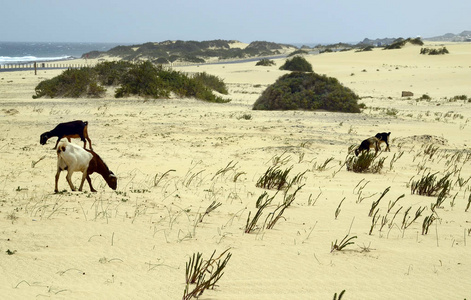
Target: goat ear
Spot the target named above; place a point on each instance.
(112, 175)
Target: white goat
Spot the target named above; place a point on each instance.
(73, 158)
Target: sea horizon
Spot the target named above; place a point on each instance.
(28, 52)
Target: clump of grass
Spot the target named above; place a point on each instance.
(204, 274)
(275, 178)
(430, 150)
(428, 185)
(365, 163)
(245, 117)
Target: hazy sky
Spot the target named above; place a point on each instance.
(291, 21)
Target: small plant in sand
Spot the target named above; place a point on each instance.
(203, 274)
(323, 166)
(428, 220)
(339, 246)
(469, 203)
(262, 202)
(430, 150)
(376, 203)
(365, 163)
(405, 220)
(339, 297)
(337, 211)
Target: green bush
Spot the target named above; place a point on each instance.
(309, 91)
(265, 62)
(297, 52)
(142, 79)
(211, 81)
(297, 63)
(72, 83)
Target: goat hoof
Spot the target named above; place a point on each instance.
(93, 191)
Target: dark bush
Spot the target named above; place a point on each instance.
(308, 91)
(400, 42)
(432, 51)
(297, 63)
(265, 62)
(298, 52)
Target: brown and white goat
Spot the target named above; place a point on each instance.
(372, 142)
(73, 158)
(73, 129)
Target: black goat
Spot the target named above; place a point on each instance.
(383, 137)
(73, 129)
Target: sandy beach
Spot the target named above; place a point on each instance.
(175, 157)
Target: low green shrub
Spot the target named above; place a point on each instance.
(432, 51)
(265, 62)
(400, 42)
(72, 83)
(297, 52)
(308, 91)
(143, 79)
(211, 81)
(297, 63)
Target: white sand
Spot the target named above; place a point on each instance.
(133, 243)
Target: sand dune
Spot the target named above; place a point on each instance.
(174, 157)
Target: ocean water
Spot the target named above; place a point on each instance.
(25, 52)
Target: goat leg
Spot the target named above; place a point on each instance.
(69, 180)
(56, 189)
(90, 184)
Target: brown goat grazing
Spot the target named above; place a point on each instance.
(73, 158)
(74, 129)
(383, 137)
(372, 142)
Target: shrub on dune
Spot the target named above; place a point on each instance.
(142, 79)
(307, 91)
(297, 63)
